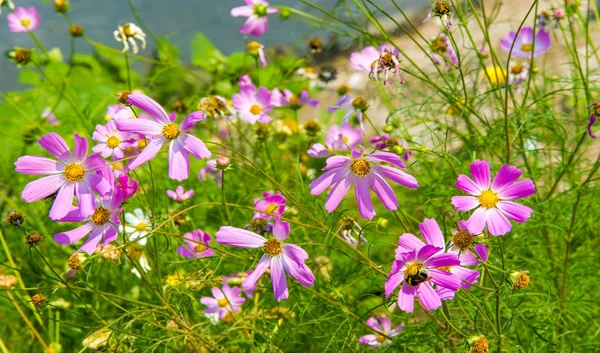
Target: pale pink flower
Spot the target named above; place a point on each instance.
(23, 19)
(256, 11)
(179, 194)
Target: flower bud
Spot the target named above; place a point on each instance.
(19, 56)
(223, 162)
(15, 218)
(180, 107)
(284, 13)
(61, 6)
(398, 149)
(382, 223)
(343, 89)
(315, 45)
(312, 127)
(76, 31)
(34, 238)
(388, 128)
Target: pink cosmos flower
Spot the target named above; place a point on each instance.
(352, 105)
(460, 246)
(23, 19)
(224, 300)
(49, 115)
(337, 139)
(211, 172)
(252, 105)
(257, 50)
(272, 204)
(523, 43)
(375, 61)
(244, 80)
(386, 141)
(196, 245)
(127, 185)
(363, 60)
(443, 51)
(288, 98)
(162, 130)
(279, 257)
(102, 223)
(592, 119)
(112, 141)
(492, 199)
(362, 172)
(417, 271)
(236, 279)
(256, 11)
(179, 194)
(73, 174)
(119, 111)
(383, 327)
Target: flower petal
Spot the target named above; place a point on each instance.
(145, 127)
(407, 243)
(399, 176)
(517, 190)
(363, 199)
(505, 177)
(406, 298)
(445, 279)
(42, 188)
(497, 224)
(432, 233)
(387, 157)
(337, 194)
(476, 222)
(148, 105)
(281, 229)
(179, 162)
(467, 185)
(261, 267)
(480, 170)
(515, 211)
(393, 282)
(238, 237)
(383, 190)
(56, 146)
(81, 148)
(148, 153)
(464, 203)
(428, 297)
(35, 165)
(194, 146)
(63, 201)
(74, 235)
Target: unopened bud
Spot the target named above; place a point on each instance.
(223, 162)
(398, 150)
(61, 6)
(180, 107)
(388, 128)
(382, 223)
(284, 13)
(343, 89)
(76, 31)
(312, 128)
(15, 218)
(315, 45)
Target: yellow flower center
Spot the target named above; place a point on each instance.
(439, 45)
(113, 142)
(100, 216)
(271, 208)
(74, 172)
(528, 48)
(516, 69)
(488, 199)
(253, 46)
(170, 131)
(522, 280)
(309, 70)
(272, 247)
(345, 139)
(481, 346)
(200, 248)
(380, 338)
(127, 31)
(441, 8)
(26, 22)
(413, 268)
(223, 302)
(463, 239)
(294, 100)
(360, 167)
(141, 226)
(255, 109)
(142, 144)
(359, 102)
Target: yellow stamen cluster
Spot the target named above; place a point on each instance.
(488, 199)
(522, 281)
(170, 131)
(255, 109)
(272, 208)
(25, 22)
(127, 31)
(213, 106)
(528, 48)
(113, 142)
(441, 8)
(141, 226)
(100, 216)
(141, 145)
(223, 302)
(517, 69)
(200, 248)
(360, 167)
(359, 103)
(272, 247)
(413, 268)
(440, 45)
(74, 263)
(462, 239)
(74, 172)
(294, 100)
(481, 345)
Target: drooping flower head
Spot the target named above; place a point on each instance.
(288, 98)
(127, 34)
(443, 10)
(593, 117)
(352, 105)
(50, 117)
(196, 245)
(362, 171)
(74, 173)
(253, 106)
(137, 225)
(338, 139)
(387, 62)
(351, 231)
(281, 258)
(100, 225)
(180, 194)
(161, 129)
(272, 206)
(215, 106)
(524, 43)
(443, 51)
(23, 19)
(492, 199)
(461, 245)
(383, 332)
(256, 11)
(112, 142)
(416, 272)
(224, 301)
(257, 50)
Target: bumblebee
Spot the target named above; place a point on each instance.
(417, 279)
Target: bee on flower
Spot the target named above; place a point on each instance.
(375, 61)
(216, 106)
(127, 34)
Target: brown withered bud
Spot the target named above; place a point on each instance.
(34, 238)
(15, 218)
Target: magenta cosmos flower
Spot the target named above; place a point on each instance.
(272, 206)
(524, 43)
(112, 142)
(73, 174)
(593, 117)
(161, 129)
(462, 243)
(383, 332)
(224, 300)
(101, 225)
(180, 194)
(443, 51)
(256, 11)
(376, 61)
(362, 172)
(195, 245)
(337, 139)
(417, 271)
(492, 199)
(279, 257)
(23, 19)
(253, 106)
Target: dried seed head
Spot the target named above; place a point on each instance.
(74, 263)
(15, 218)
(34, 238)
(39, 301)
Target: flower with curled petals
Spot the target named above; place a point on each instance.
(362, 171)
(492, 199)
(281, 258)
(74, 173)
(161, 129)
(383, 331)
(180, 194)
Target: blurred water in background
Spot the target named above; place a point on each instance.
(178, 19)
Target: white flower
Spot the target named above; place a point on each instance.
(144, 265)
(128, 34)
(137, 226)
